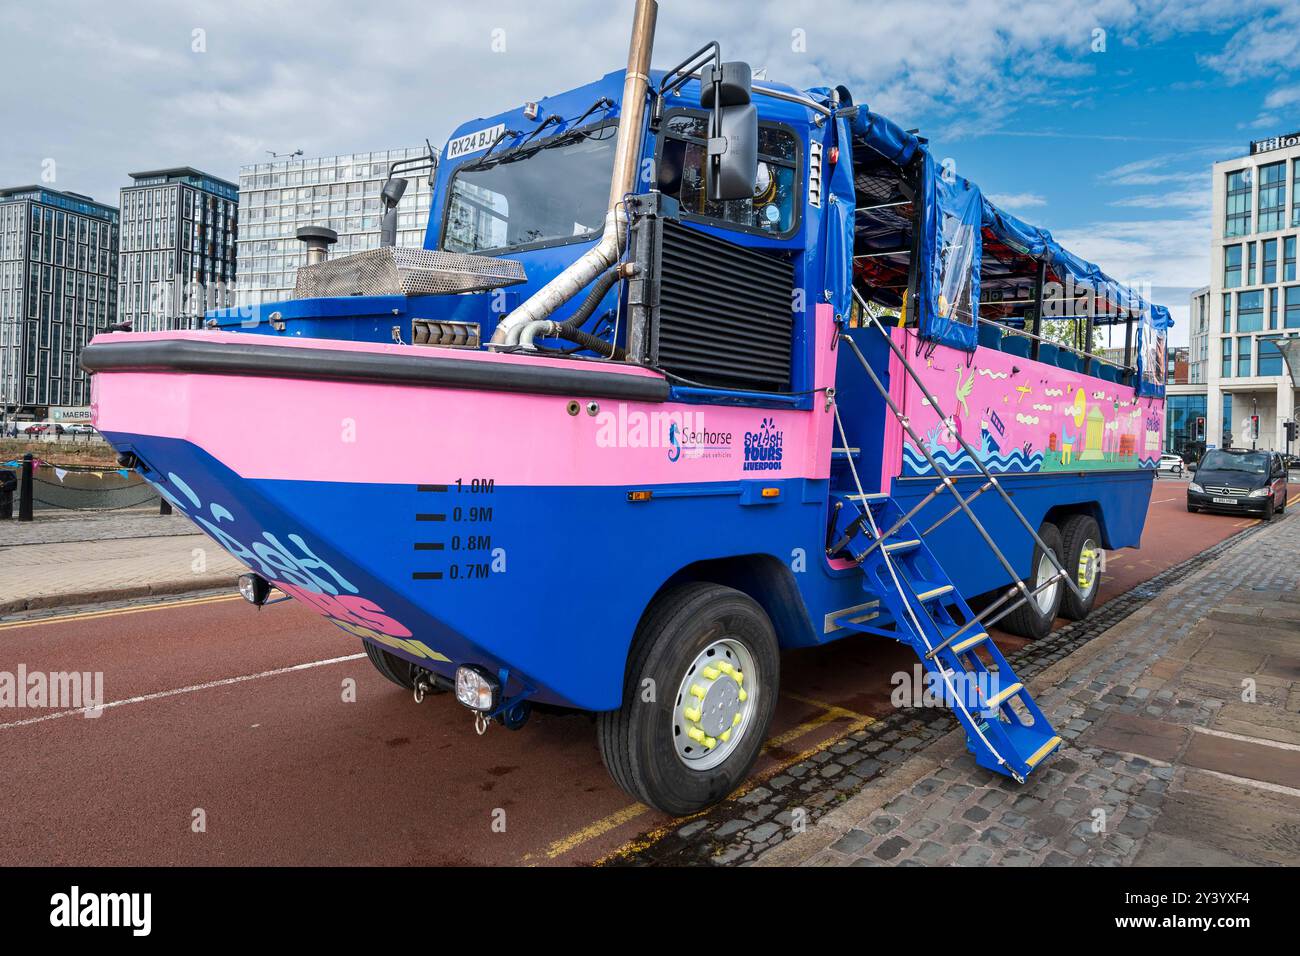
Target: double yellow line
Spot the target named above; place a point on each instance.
(830, 712)
(117, 611)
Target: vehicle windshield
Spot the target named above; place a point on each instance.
(1253, 463)
(540, 193)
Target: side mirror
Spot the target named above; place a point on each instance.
(733, 140)
(737, 167)
(390, 196)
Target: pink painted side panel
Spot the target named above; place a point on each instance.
(272, 428)
(1023, 416)
(821, 435)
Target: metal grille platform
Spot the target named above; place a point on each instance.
(402, 270)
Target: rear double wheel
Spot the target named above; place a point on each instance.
(1081, 538)
(698, 697)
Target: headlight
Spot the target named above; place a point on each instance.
(476, 688)
(1193, 486)
(1261, 492)
(254, 588)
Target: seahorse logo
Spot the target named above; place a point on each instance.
(675, 449)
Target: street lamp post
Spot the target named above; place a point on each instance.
(1289, 346)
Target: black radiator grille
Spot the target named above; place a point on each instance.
(725, 312)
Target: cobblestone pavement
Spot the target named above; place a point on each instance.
(829, 807)
(78, 558)
(1183, 745)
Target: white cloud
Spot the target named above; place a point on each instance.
(1181, 199)
(1268, 45)
(1282, 97)
(121, 89)
(1159, 253)
(1017, 200)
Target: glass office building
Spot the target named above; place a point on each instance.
(340, 192)
(1185, 424)
(1253, 296)
(177, 257)
(58, 277)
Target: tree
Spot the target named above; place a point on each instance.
(1068, 332)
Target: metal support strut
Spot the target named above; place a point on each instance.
(979, 463)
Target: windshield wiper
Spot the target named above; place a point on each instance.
(482, 160)
(559, 139)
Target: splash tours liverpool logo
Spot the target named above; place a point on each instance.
(763, 447)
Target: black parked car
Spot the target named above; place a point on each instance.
(1239, 481)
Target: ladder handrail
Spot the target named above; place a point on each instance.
(944, 672)
(947, 480)
(979, 462)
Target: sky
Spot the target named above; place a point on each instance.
(1098, 120)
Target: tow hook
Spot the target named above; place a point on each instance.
(422, 688)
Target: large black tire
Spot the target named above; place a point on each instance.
(637, 741)
(393, 667)
(1080, 534)
(1030, 620)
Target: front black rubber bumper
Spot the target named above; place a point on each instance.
(1206, 502)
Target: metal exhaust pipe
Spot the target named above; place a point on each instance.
(627, 160)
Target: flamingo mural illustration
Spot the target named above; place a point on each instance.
(964, 388)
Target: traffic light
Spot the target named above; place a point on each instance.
(1200, 428)
(1254, 427)
(1291, 429)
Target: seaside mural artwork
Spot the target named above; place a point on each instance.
(1027, 417)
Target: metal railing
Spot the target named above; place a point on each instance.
(1096, 357)
(1019, 587)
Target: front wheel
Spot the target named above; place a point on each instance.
(698, 696)
(400, 672)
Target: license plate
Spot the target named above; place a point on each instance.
(1225, 501)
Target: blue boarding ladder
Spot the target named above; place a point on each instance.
(1005, 729)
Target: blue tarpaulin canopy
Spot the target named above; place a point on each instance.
(963, 242)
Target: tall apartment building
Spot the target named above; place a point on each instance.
(177, 258)
(1198, 353)
(1254, 293)
(341, 192)
(58, 277)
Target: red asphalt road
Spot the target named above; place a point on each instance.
(287, 772)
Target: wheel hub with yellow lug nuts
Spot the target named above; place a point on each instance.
(1088, 561)
(714, 704)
